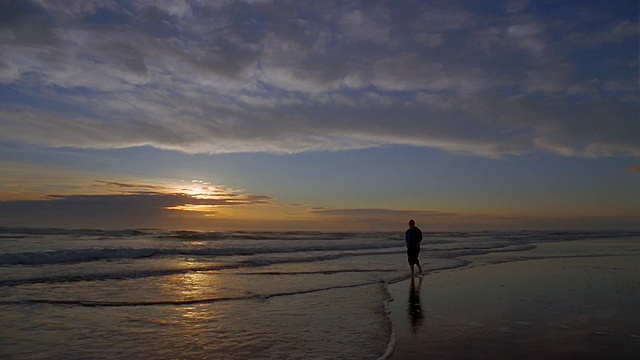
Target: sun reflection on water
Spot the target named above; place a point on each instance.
(193, 285)
(196, 285)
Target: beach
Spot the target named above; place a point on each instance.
(169, 294)
(576, 300)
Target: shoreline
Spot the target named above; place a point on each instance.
(551, 308)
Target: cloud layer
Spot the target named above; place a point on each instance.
(131, 204)
(294, 76)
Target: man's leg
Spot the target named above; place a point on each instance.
(419, 267)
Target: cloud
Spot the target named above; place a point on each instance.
(634, 169)
(527, 36)
(430, 220)
(128, 204)
(383, 218)
(368, 26)
(64, 210)
(295, 76)
(376, 212)
(136, 187)
(515, 6)
(612, 33)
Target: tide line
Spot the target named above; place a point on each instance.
(263, 297)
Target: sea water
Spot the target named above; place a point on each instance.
(77, 294)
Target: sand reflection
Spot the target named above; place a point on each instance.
(414, 308)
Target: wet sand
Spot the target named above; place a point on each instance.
(561, 307)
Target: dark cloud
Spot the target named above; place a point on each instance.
(27, 23)
(123, 185)
(377, 212)
(92, 209)
(134, 204)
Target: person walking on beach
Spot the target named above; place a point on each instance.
(413, 237)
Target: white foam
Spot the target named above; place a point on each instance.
(602, 333)
(391, 345)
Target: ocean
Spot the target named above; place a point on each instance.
(158, 294)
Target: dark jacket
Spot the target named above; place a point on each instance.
(413, 237)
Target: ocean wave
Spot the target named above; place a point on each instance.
(23, 232)
(534, 235)
(137, 274)
(73, 256)
(482, 250)
(95, 254)
(444, 248)
(434, 236)
(275, 235)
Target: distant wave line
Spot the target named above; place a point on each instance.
(166, 272)
(92, 254)
(69, 256)
(555, 257)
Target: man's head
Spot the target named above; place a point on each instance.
(412, 223)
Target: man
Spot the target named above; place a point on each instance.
(413, 237)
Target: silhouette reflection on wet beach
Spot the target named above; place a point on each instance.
(414, 308)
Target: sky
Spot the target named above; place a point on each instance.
(320, 115)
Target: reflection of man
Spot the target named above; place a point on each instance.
(413, 237)
(415, 306)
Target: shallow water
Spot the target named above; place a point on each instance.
(233, 295)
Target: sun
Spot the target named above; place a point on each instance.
(205, 195)
(199, 189)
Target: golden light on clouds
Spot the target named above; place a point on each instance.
(193, 207)
(199, 189)
(63, 197)
(203, 199)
